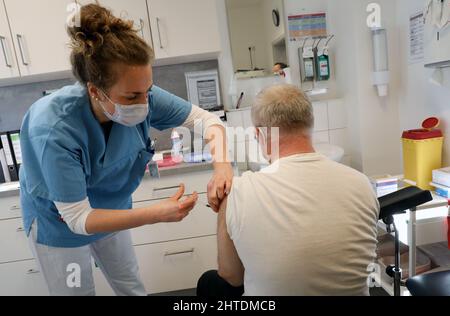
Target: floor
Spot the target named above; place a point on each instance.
(191, 292)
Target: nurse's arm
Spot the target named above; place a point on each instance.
(215, 136)
(95, 221)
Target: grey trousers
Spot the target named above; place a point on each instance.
(68, 271)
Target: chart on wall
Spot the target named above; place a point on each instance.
(307, 25)
(416, 38)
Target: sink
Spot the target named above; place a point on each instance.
(333, 152)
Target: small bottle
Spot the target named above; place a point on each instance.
(177, 147)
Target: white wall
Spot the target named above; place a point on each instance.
(418, 98)
(295, 7)
(373, 122)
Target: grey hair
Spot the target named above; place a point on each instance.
(283, 106)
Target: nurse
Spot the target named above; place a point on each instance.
(85, 149)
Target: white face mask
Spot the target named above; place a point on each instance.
(127, 115)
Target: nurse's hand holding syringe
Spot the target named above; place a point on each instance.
(174, 209)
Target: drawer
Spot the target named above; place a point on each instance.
(22, 279)
(13, 241)
(10, 207)
(152, 189)
(174, 266)
(202, 221)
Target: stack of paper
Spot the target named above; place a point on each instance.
(384, 185)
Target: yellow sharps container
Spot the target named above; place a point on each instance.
(422, 153)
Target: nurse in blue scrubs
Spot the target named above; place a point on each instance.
(85, 150)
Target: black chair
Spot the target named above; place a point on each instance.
(394, 204)
(433, 284)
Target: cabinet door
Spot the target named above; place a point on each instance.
(22, 278)
(184, 28)
(13, 241)
(135, 10)
(39, 33)
(8, 62)
(174, 266)
(202, 221)
(10, 208)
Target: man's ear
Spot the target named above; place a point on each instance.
(257, 133)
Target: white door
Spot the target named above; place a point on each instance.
(8, 62)
(39, 33)
(184, 28)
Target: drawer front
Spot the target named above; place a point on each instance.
(13, 241)
(22, 279)
(10, 207)
(202, 221)
(431, 230)
(167, 186)
(175, 266)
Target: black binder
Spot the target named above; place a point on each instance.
(10, 158)
(14, 144)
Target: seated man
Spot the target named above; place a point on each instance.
(305, 225)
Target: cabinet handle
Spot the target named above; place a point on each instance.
(159, 34)
(5, 53)
(22, 51)
(171, 254)
(166, 188)
(14, 208)
(20, 229)
(33, 271)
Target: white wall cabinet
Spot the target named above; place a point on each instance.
(34, 40)
(135, 10)
(8, 62)
(39, 33)
(183, 28)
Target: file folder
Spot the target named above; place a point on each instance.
(10, 160)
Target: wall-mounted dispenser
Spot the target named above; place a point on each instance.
(322, 57)
(307, 68)
(381, 75)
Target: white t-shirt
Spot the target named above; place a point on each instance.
(306, 228)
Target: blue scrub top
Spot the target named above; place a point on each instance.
(67, 159)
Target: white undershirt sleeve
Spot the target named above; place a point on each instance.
(75, 215)
(198, 115)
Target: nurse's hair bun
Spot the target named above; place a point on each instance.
(97, 23)
(99, 40)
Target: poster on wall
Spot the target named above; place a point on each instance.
(416, 38)
(307, 25)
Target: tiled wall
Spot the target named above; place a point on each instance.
(331, 125)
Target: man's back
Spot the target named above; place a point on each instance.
(306, 228)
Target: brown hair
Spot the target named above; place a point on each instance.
(102, 40)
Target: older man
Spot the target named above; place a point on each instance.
(303, 226)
